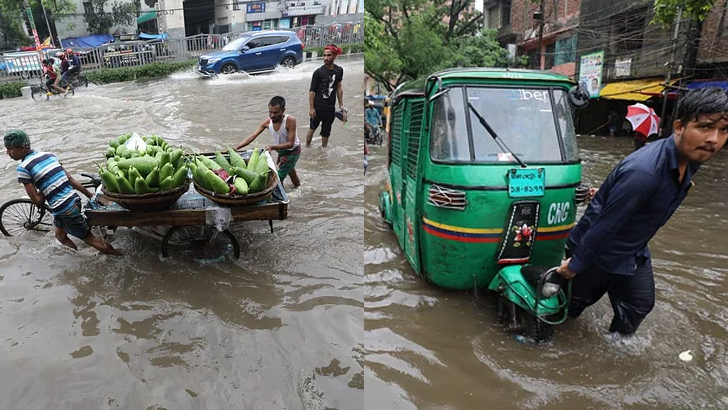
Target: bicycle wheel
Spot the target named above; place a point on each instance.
(81, 81)
(38, 92)
(19, 216)
(203, 243)
(69, 91)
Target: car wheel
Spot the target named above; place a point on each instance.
(228, 69)
(288, 62)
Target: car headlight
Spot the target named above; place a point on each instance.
(212, 60)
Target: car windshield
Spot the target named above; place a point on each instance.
(528, 120)
(236, 44)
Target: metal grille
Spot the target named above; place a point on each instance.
(397, 137)
(413, 144)
(446, 198)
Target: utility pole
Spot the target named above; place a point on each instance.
(32, 28)
(50, 33)
(539, 17)
(671, 63)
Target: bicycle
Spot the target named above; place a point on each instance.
(37, 92)
(78, 80)
(20, 216)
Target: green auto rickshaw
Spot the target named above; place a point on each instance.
(484, 180)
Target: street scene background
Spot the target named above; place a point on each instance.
(281, 328)
(428, 348)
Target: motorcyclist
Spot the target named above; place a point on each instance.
(373, 120)
(74, 66)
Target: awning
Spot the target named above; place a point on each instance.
(147, 16)
(696, 85)
(635, 90)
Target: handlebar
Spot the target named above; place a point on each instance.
(94, 180)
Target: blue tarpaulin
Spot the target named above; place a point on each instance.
(92, 41)
(696, 85)
(145, 36)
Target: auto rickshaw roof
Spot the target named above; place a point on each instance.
(417, 87)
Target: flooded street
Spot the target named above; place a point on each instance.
(427, 348)
(280, 328)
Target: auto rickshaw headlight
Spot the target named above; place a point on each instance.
(549, 289)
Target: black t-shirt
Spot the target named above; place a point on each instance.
(324, 83)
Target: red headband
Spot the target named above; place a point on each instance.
(334, 49)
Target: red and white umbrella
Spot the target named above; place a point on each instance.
(643, 119)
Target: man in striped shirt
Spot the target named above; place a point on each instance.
(45, 180)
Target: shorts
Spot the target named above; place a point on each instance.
(49, 83)
(287, 160)
(72, 220)
(325, 117)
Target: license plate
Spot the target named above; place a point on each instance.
(526, 182)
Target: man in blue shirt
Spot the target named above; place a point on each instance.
(607, 250)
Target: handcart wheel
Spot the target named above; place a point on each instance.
(19, 216)
(203, 242)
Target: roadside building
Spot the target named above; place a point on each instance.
(183, 18)
(518, 26)
(711, 60)
(623, 59)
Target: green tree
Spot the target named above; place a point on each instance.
(666, 11)
(101, 22)
(407, 39)
(377, 45)
(13, 18)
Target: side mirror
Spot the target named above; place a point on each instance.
(438, 94)
(579, 96)
(244, 49)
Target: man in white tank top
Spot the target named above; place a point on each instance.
(285, 139)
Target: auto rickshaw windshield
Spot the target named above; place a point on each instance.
(535, 123)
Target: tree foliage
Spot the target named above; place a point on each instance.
(407, 39)
(101, 22)
(13, 18)
(666, 11)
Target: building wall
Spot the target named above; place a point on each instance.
(714, 41)
(561, 19)
(646, 61)
(76, 26)
(558, 14)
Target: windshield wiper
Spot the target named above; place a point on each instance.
(502, 145)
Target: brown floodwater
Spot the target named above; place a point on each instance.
(280, 328)
(427, 348)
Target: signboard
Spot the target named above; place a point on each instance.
(258, 7)
(622, 68)
(303, 11)
(590, 72)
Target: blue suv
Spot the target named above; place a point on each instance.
(254, 52)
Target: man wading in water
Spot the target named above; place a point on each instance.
(45, 180)
(607, 250)
(285, 139)
(325, 88)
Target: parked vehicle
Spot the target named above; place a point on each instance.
(484, 173)
(254, 52)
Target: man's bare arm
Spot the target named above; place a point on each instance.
(253, 136)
